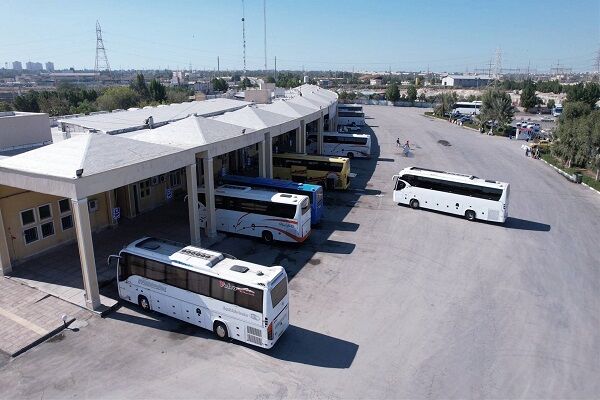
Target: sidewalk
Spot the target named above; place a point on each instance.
(29, 316)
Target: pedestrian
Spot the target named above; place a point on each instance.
(398, 142)
(407, 145)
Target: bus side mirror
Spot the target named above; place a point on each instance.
(113, 261)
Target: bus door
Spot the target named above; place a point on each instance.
(299, 173)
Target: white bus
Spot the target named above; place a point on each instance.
(233, 298)
(262, 213)
(341, 144)
(467, 108)
(452, 193)
(557, 110)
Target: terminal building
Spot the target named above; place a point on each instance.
(105, 167)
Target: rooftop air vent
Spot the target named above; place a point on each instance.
(196, 253)
(239, 268)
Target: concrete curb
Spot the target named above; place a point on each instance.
(591, 188)
(570, 177)
(560, 171)
(43, 338)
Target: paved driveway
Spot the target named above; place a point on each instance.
(386, 302)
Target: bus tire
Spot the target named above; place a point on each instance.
(267, 236)
(220, 330)
(470, 215)
(414, 204)
(350, 155)
(144, 303)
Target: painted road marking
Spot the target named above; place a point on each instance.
(23, 322)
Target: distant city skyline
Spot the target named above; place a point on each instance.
(368, 36)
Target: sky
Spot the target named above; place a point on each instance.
(442, 36)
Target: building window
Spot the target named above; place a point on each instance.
(47, 229)
(64, 206)
(27, 217)
(66, 222)
(45, 212)
(175, 178)
(145, 188)
(31, 235)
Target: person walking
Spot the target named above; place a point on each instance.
(398, 142)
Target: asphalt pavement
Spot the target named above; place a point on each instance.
(386, 301)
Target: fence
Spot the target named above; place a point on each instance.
(420, 104)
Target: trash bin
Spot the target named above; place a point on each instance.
(578, 177)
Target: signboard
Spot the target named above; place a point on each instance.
(116, 213)
(169, 194)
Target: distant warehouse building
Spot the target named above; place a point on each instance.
(466, 81)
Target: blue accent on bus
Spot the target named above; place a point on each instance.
(314, 192)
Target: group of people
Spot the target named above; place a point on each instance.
(533, 153)
(405, 147)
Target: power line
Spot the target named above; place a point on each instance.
(244, 34)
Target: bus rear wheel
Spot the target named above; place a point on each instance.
(414, 204)
(220, 330)
(267, 236)
(144, 303)
(470, 215)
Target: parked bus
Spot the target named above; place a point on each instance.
(557, 110)
(467, 108)
(452, 193)
(329, 172)
(233, 298)
(261, 213)
(313, 192)
(341, 144)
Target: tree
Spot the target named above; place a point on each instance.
(445, 103)
(422, 97)
(4, 106)
(140, 87)
(27, 102)
(550, 104)
(220, 85)
(573, 143)
(269, 79)
(177, 95)
(118, 97)
(411, 93)
(588, 93)
(246, 83)
(528, 97)
(157, 91)
(392, 93)
(496, 106)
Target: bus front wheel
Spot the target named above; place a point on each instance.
(414, 204)
(144, 303)
(350, 155)
(470, 215)
(267, 236)
(220, 330)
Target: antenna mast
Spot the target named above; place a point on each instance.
(265, 29)
(101, 58)
(244, 34)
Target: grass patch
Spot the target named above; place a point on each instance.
(432, 114)
(591, 181)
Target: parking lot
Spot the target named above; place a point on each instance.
(386, 301)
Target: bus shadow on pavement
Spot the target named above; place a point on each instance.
(526, 225)
(304, 346)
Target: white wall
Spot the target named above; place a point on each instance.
(22, 129)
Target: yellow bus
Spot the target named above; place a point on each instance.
(330, 172)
